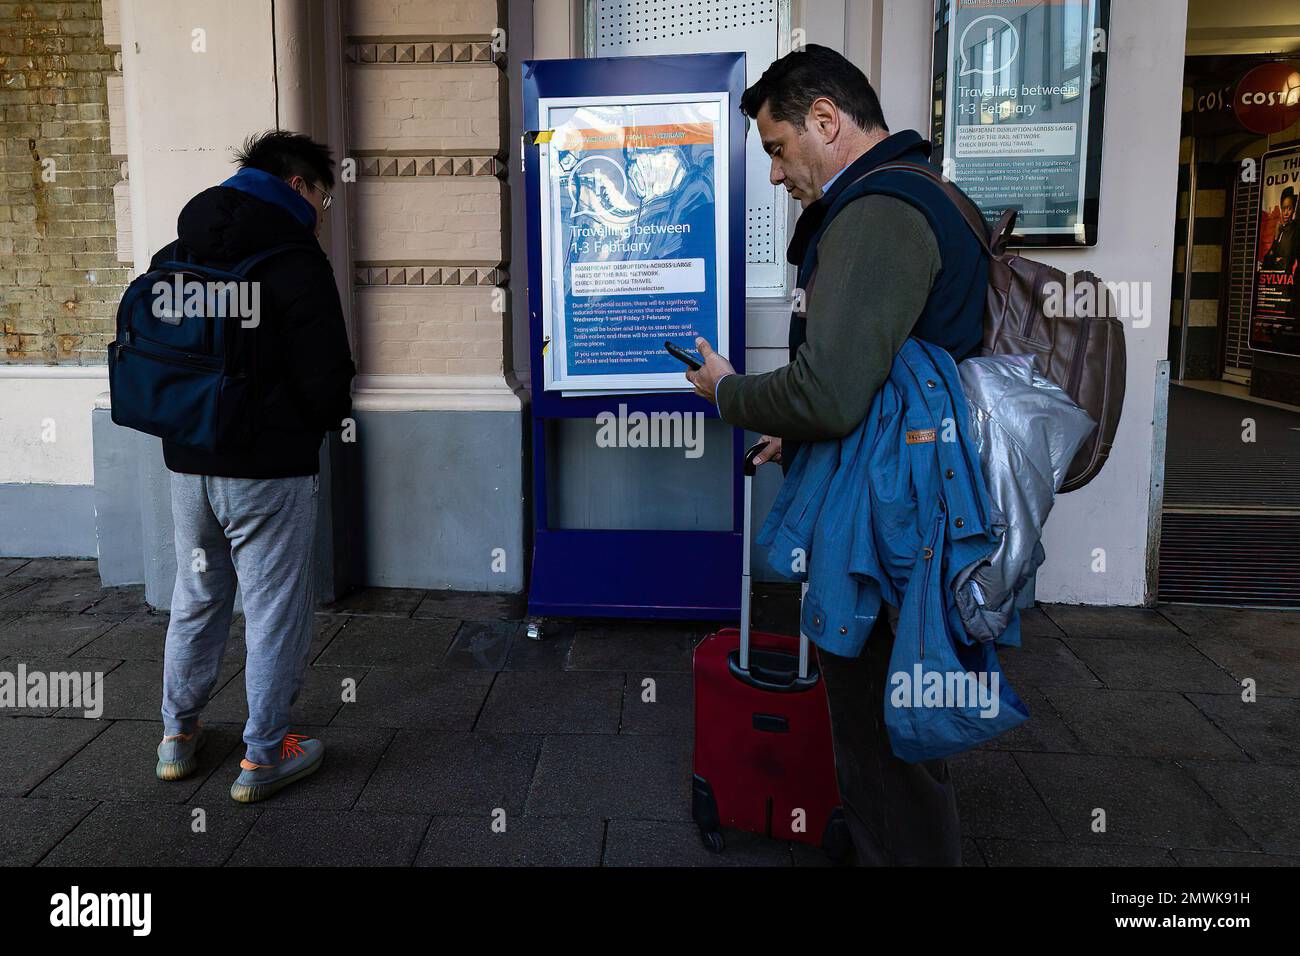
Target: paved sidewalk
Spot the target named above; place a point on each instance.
(458, 715)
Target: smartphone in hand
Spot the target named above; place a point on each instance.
(682, 355)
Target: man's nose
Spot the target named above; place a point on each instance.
(777, 175)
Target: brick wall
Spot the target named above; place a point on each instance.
(60, 278)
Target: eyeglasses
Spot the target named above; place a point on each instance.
(326, 198)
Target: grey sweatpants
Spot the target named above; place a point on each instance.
(261, 530)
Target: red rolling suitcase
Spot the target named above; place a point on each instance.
(763, 756)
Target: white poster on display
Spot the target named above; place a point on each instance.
(634, 237)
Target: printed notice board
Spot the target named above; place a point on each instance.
(635, 218)
(1018, 111)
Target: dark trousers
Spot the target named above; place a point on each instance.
(898, 813)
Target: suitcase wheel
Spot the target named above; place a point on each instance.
(712, 840)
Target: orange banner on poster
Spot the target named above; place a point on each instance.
(635, 137)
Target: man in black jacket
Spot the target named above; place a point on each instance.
(249, 516)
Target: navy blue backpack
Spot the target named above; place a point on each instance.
(177, 369)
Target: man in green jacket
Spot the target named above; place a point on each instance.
(870, 269)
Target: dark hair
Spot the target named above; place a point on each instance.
(1288, 193)
(791, 84)
(286, 155)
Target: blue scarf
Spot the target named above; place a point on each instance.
(274, 190)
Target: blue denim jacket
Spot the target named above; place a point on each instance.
(891, 512)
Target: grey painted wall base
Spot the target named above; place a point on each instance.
(47, 521)
(436, 500)
(132, 517)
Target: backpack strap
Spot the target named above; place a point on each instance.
(242, 268)
(995, 246)
(239, 270)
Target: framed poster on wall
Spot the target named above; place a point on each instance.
(1018, 110)
(1275, 306)
(635, 236)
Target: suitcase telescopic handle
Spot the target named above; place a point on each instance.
(749, 469)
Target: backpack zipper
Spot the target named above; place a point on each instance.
(188, 361)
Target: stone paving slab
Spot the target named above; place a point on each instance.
(471, 606)
(1034, 623)
(1234, 624)
(525, 841)
(120, 601)
(118, 764)
(9, 565)
(135, 637)
(1045, 662)
(671, 712)
(67, 594)
(139, 834)
(613, 776)
(389, 642)
(30, 828)
(542, 702)
(1111, 623)
(1147, 802)
(633, 646)
(52, 567)
(453, 774)
(1045, 730)
(995, 799)
(33, 748)
(1265, 728)
(51, 634)
(10, 586)
(482, 645)
(549, 654)
(1260, 799)
(331, 838)
(428, 698)
(1152, 665)
(1135, 723)
(1273, 666)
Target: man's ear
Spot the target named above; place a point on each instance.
(824, 118)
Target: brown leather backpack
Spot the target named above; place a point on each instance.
(1034, 309)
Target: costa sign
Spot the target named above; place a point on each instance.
(1267, 99)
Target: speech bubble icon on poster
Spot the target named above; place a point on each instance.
(990, 30)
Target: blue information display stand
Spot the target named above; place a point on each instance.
(586, 572)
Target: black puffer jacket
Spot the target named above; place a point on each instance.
(303, 365)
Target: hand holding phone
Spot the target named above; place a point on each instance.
(682, 355)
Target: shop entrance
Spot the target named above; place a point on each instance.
(1231, 517)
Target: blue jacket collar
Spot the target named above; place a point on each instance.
(273, 189)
